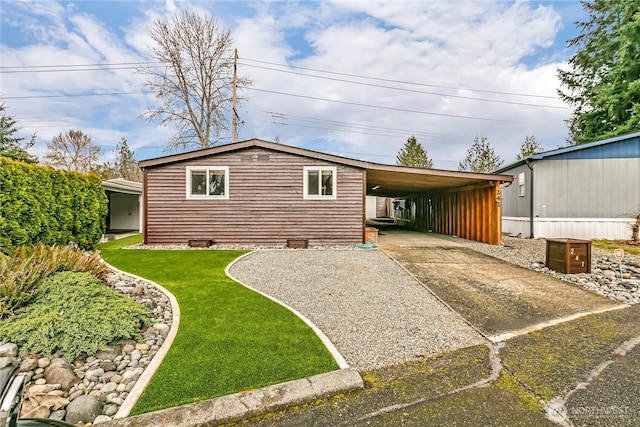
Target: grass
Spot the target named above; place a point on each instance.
(230, 338)
(615, 244)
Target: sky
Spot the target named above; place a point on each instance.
(351, 78)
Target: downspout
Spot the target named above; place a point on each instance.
(530, 166)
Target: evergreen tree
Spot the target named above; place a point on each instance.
(10, 145)
(603, 82)
(529, 147)
(413, 155)
(480, 157)
(126, 164)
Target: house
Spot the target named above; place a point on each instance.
(261, 192)
(125, 213)
(587, 191)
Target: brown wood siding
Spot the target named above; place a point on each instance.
(265, 204)
(472, 213)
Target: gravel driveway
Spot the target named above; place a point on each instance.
(370, 308)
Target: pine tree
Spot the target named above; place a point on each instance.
(12, 146)
(126, 164)
(529, 147)
(480, 157)
(413, 155)
(603, 82)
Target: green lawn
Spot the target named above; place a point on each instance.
(230, 338)
(617, 244)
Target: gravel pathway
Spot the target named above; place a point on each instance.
(374, 312)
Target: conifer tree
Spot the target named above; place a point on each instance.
(603, 82)
(413, 155)
(481, 157)
(529, 147)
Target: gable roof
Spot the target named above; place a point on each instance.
(390, 180)
(623, 146)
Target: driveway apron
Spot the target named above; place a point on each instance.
(495, 296)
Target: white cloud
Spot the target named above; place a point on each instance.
(488, 46)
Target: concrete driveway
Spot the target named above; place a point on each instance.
(498, 298)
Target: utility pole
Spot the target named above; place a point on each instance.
(234, 115)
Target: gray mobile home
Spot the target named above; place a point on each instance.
(588, 191)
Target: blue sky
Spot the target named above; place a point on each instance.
(444, 71)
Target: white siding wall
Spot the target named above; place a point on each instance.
(574, 228)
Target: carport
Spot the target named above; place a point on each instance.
(463, 204)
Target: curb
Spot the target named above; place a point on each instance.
(243, 405)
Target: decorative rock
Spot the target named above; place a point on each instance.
(42, 388)
(109, 387)
(6, 361)
(136, 355)
(28, 365)
(58, 415)
(108, 365)
(8, 350)
(110, 353)
(110, 409)
(162, 329)
(83, 409)
(101, 419)
(60, 372)
(128, 348)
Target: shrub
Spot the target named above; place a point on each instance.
(41, 204)
(74, 314)
(23, 271)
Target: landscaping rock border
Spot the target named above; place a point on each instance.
(92, 389)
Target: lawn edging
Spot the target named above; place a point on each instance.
(342, 364)
(150, 369)
(240, 406)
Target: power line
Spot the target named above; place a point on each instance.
(410, 90)
(71, 95)
(384, 108)
(403, 82)
(356, 126)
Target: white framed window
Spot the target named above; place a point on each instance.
(207, 182)
(319, 182)
(521, 184)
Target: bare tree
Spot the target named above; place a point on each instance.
(72, 151)
(195, 85)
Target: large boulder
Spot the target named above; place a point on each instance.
(8, 349)
(83, 409)
(60, 372)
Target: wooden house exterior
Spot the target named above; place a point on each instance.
(265, 203)
(258, 192)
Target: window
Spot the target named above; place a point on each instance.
(207, 182)
(521, 187)
(319, 182)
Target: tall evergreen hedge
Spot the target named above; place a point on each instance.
(54, 207)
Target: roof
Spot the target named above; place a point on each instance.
(120, 185)
(623, 146)
(389, 180)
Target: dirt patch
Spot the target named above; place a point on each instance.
(495, 296)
